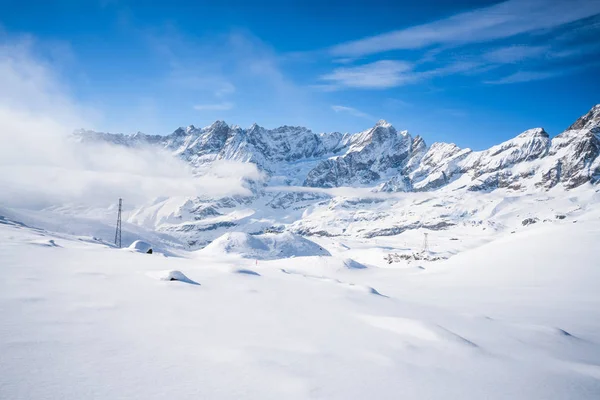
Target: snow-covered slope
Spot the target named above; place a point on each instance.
(517, 317)
(318, 282)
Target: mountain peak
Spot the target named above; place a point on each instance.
(190, 128)
(534, 133)
(218, 124)
(383, 123)
(589, 120)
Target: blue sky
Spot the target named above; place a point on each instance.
(470, 72)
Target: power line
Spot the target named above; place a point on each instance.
(118, 232)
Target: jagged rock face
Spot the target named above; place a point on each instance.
(417, 152)
(370, 155)
(576, 154)
(399, 183)
(572, 157)
(264, 147)
(340, 171)
(256, 144)
(529, 145)
(136, 139)
(296, 200)
(487, 169)
(590, 120)
(438, 166)
(285, 143)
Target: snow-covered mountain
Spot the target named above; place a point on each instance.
(301, 166)
(382, 155)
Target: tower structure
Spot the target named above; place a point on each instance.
(425, 243)
(118, 231)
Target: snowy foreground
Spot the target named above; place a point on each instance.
(516, 317)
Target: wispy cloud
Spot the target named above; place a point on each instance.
(351, 110)
(526, 76)
(389, 73)
(503, 20)
(576, 50)
(239, 63)
(224, 106)
(379, 75)
(560, 54)
(515, 54)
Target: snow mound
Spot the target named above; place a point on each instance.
(362, 288)
(269, 246)
(352, 264)
(141, 247)
(171, 275)
(412, 329)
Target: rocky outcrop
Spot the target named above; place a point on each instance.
(575, 153)
(438, 166)
(370, 155)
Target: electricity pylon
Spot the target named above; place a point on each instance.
(118, 232)
(425, 243)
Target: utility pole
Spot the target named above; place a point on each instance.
(118, 232)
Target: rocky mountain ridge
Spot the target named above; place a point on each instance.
(386, 158)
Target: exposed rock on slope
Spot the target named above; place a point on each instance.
(370, 155)
(575, 153)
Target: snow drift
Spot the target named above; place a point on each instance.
(140, 246)
(269, 246)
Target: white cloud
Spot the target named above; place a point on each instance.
(529, 75)
(380, 75)
(526, 76)
(502, 20)
(351, 111)
(389, 73)
(41, 164)
(224, 106)
(576, 50)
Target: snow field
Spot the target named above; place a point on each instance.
(516, 317)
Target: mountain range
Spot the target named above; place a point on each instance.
(380, 159)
